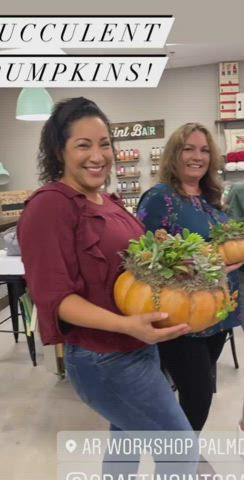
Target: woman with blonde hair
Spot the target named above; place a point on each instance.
(188, 195)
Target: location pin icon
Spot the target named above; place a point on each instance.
(70, 445)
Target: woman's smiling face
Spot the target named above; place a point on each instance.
(87, 155)
(194, 159)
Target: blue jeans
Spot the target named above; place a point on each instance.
(241, 296)
(128, 389)
(132, 393)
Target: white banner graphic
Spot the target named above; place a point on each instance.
(31, 33)
(81, 71)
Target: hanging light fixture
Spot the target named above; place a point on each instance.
(34, 104)
(4, 175)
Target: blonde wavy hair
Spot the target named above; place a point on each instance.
(210, 183)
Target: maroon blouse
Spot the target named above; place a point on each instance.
(71, 245)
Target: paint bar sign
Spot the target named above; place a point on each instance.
(138, 130)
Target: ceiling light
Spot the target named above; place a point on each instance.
(34, 104)
(4, 175)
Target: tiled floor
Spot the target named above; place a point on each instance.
(35, 404)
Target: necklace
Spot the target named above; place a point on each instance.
(192, 193)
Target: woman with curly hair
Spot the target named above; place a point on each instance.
(71, 235)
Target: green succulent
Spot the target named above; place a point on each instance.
(163, 258)
(221, 232)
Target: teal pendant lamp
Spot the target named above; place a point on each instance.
(34, 104)
(4, 175)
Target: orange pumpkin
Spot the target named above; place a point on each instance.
(197, 308)
(232, 251)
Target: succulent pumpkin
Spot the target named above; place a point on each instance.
(181, 275)
(229, 238)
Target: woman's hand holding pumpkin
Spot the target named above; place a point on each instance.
(142, 326)
(233, 267)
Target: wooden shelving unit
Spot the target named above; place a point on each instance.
(230, 120)
(236, 175)
(131, 175)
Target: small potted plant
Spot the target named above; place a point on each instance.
(181, 275)
(229, 239)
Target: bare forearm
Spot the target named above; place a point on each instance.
(78, 311)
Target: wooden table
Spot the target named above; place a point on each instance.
(12, 273)
(7, 222)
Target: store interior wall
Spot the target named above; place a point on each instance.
(183, 95)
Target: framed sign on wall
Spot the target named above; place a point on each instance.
(139, 130)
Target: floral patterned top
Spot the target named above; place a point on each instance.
(163, 207)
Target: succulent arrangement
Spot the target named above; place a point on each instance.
(182, 275)
(229, 239)
(222, 232)
(186, 259)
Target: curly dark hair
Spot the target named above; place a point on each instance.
(210, 184)
(56, 132)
